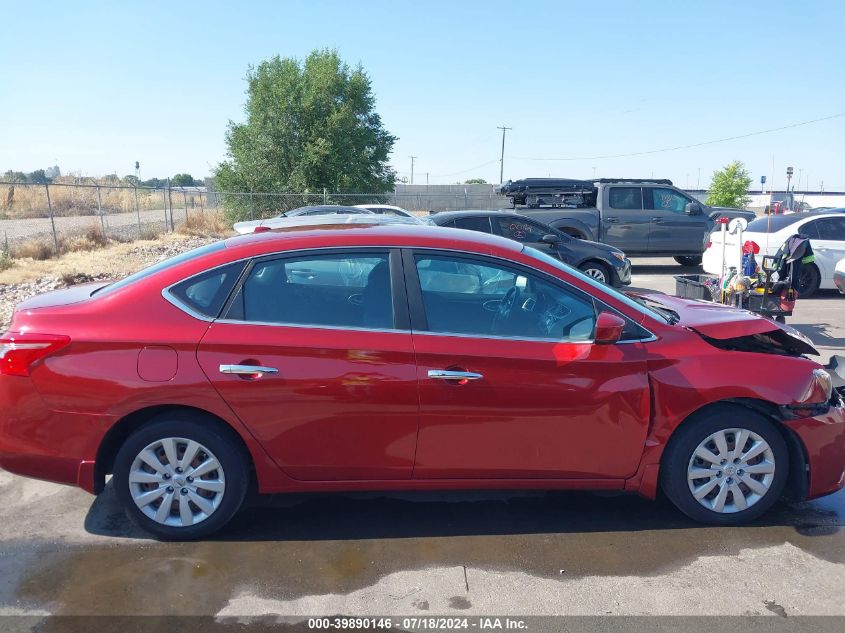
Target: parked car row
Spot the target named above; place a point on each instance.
(376, 355)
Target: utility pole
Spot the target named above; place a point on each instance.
(426, 179)
(502, 159)
(413, 158)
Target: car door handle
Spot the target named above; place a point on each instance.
(657, 219)
(445, 374)
(612, 219)
(247, 370)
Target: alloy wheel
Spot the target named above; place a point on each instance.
(596, 274)
(731, 470)
(177, 482)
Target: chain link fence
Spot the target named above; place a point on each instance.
(55, 213)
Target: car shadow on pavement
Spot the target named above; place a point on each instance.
(374, 515)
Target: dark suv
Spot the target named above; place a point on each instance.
(600, 261)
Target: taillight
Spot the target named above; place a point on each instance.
(709, 244)
(261, 229)
(20, 351)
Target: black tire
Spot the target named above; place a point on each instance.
(593, 269)
(688, 260)
(809, 280)
(230, 453)
(684, 442)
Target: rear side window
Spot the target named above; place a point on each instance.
(167, 263)
(474, 224)
(207, 292)
(337, 290)
(825, 229)
(626, 198)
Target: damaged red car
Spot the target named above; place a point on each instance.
(391, 357)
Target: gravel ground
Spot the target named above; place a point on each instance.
(137, 257)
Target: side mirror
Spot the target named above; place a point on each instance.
(692, 208)
(551, 238)
(609, 328)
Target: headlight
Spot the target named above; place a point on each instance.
(824, 383)
(618, 255)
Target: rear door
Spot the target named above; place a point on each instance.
(624, 222)
(314, 355)
(672, 231)
(827, 237)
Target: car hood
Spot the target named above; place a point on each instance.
(597, 246)
(734, 327)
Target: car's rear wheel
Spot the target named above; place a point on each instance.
(726, 467)
(688, 260)
(597, 271)
(808, 280)
(181, 478)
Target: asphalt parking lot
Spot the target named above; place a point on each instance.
(65, 552)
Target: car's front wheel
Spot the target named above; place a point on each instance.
(597, 271)
(180, 477)
(726, 467)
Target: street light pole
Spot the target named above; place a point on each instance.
(502, 159)
(413, 158)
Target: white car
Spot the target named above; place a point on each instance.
(322, 220)
(826, 231)
(386, 209)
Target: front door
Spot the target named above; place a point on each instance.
(672, 231)
(315, 357)
(511, 384)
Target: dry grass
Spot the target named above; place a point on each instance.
(116, 260)
(30, 201)
(208, 224)
(44, 248)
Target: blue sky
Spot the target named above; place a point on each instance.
(94, 86)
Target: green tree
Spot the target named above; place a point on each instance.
(729, 187)
(183, 180)
(309, 125)
(475, 181)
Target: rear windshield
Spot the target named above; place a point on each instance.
(160, 266)
(774, 223)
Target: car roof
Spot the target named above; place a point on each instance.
(775, 223)
(453, 215)
(334, 208)
(369, 234)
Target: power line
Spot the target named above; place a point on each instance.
(463, 171)
(672, 149)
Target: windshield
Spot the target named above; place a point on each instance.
(163, 265)
(639, 306)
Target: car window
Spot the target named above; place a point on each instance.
(207, 292)
(163, 265)
(520, 230)
(479, 223)
(484, 298)
(626, 198)
(351, 290)
(825, 229)
(661, 199)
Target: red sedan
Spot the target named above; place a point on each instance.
(402, 357)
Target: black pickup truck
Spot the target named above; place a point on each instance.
(641, 217)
